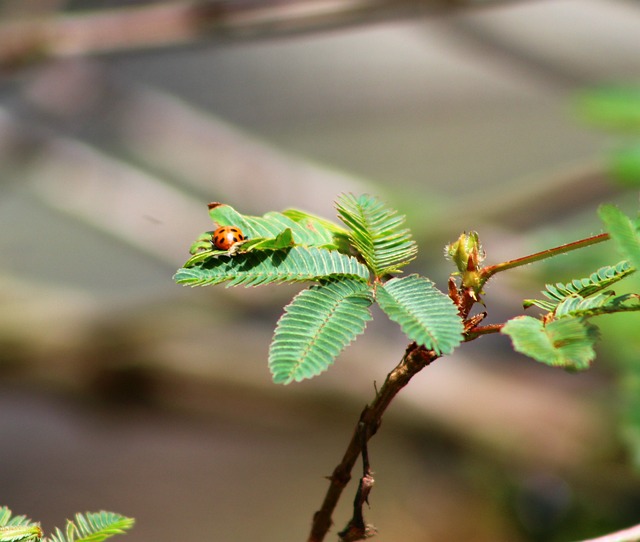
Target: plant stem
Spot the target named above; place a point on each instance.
(414, 360)
(476, 332)
(489, 271)
(628, 535)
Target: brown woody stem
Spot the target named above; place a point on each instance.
(414, 360)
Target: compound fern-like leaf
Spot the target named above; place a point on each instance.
(18, 528)
(257, 268)
(601, 303)
(316, 326)
(424, 313)
(566, 342)
(92, 527)
(597, 281)
(377, 233)
(20, 533)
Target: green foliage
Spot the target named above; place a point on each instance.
(377, 233)
(602, 303)
(321, 321)
(89, 527)
(306, 229)
(93, 527)
(566, 342)
(597, 281)
(317, 325)
(424, 313)
(24, 533)
(18, 528)
(273, 231)
(612, 108)
(624, 164)
(618, 110)
(275, 266)
(623, 232)
(578, 300)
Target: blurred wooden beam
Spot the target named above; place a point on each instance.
(167, 24)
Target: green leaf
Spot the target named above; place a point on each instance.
(377, 233)
(566, 342)
(623, 232)
(307, 232)
(624, 165)
(316, 223)
(317, 325)
(273, 231)
(18, 528)
(601, 303)
(612, 108)
(312, 221)
(25, 533)
(257, 268)
(7, 519)
(597, 281)
(424, 313)
(93, 527)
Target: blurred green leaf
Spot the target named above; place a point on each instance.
(623, 232)
(566, 342)
(611, 108)
(624, 165)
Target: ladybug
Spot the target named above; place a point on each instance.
(226, 236)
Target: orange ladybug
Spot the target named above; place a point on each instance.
(226, 236)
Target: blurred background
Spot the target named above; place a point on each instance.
(119, 390)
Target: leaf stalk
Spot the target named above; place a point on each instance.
(491, 270)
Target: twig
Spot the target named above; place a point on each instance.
(414, 360)
(489, 271)
(357, 529)
(628, 535)
(477, 331)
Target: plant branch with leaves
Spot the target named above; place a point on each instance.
(352, 267)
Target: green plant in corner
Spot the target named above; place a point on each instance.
(89, 527)
(352, 267)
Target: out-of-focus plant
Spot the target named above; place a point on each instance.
(617, 110)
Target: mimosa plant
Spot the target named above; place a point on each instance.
(353, 266)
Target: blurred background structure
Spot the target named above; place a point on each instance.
(121, 120)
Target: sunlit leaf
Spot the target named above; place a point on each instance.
(93, 527)
(424, 313)
(316, 326)
(377, 232)
(257, 268)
